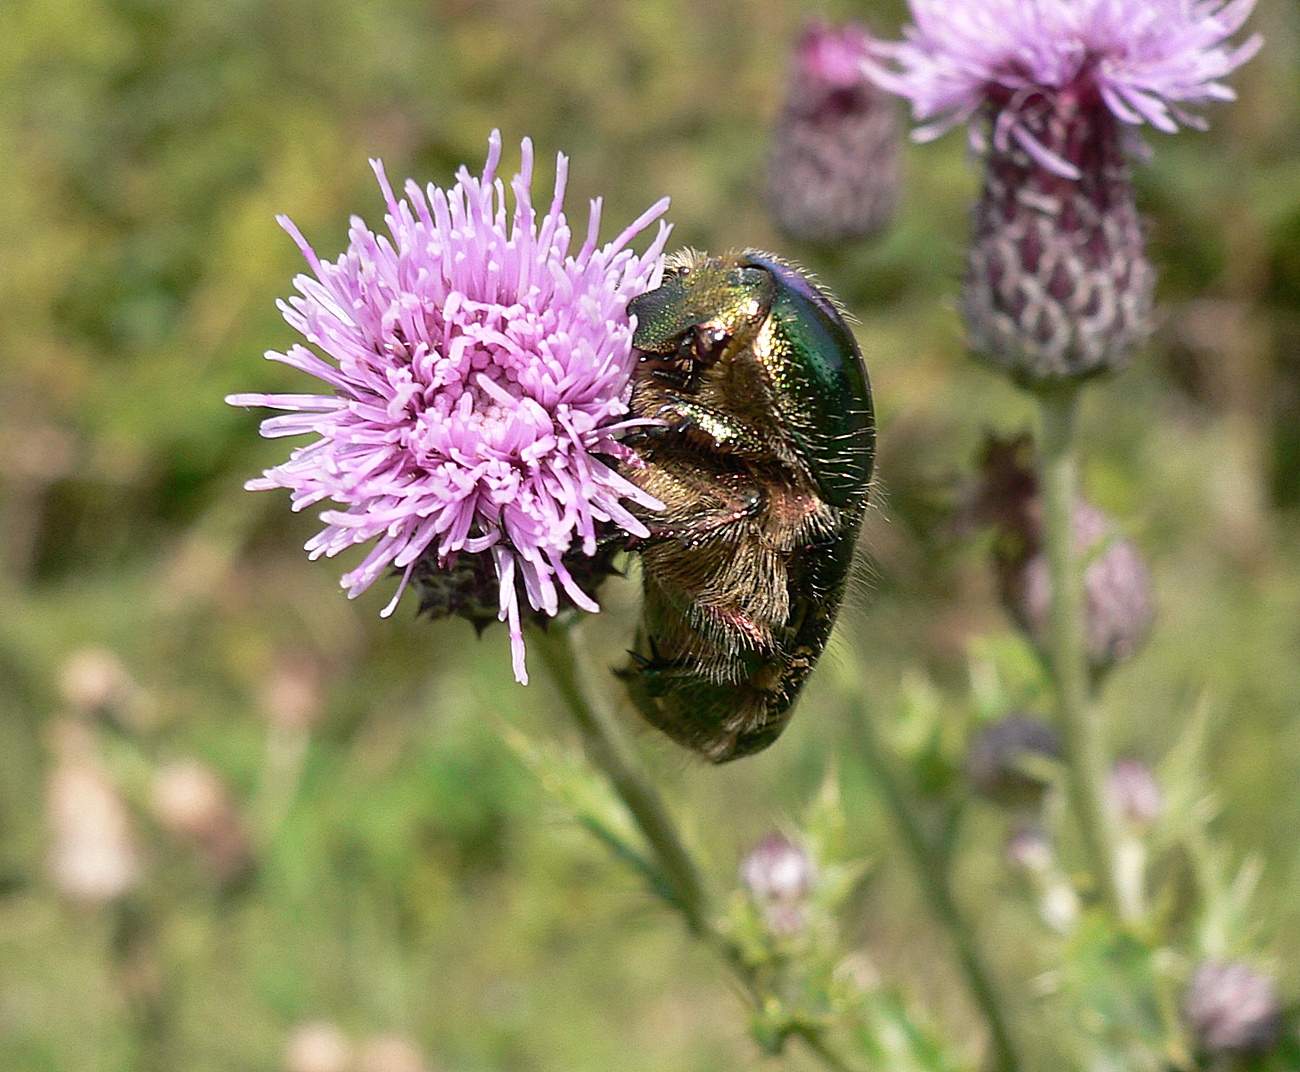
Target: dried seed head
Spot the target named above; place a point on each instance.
(1232, 1009)
(1005, 761)
(833, 169)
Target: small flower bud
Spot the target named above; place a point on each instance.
(1117, 586)
(1135, 793)
(1004, 763)
(779, 875)
(833, 170)
(1232, 1009)
(1028, 850)
(192, 805)
(94, 857)
(318, 1047)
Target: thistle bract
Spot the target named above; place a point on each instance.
(1057, 284)
(479, 375)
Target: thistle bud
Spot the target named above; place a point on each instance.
(833, 170)
(1117, 586)
(779, 875)
(1232, 1009)
(1058, 285)
(1006, 760)
(1135, 793)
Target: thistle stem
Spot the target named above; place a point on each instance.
(1082, 727)
(930, 865)
(563, 650)
(565, 655)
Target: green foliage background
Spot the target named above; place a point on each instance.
(411, 875)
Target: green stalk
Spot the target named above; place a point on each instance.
(930, 865)
(565, 655)
(1082, 728)
(562, 649)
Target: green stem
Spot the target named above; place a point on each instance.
(816, 1042)
(1082, 727)
(564, 652)
(931, 870)
(562, 649)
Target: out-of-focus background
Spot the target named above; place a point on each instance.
(246, 824)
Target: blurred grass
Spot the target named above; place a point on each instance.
(410, 876)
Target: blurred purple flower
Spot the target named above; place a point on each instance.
(1145, 59)
(479, 388)
(832, 173)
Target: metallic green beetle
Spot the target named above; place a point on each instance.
(763, 461)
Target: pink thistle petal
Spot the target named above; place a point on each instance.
(1144, 58)
(478, 372)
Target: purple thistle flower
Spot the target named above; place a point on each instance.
(1144, 58)
(480, 376)
(1058, 285)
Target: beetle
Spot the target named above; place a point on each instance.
(759, 441)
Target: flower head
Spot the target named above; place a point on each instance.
(1145, 60)
(1058, 285)
(479, 375)
(833, 169)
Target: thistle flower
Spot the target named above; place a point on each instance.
(1058, 284)
(833, 170)
(479, 375)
